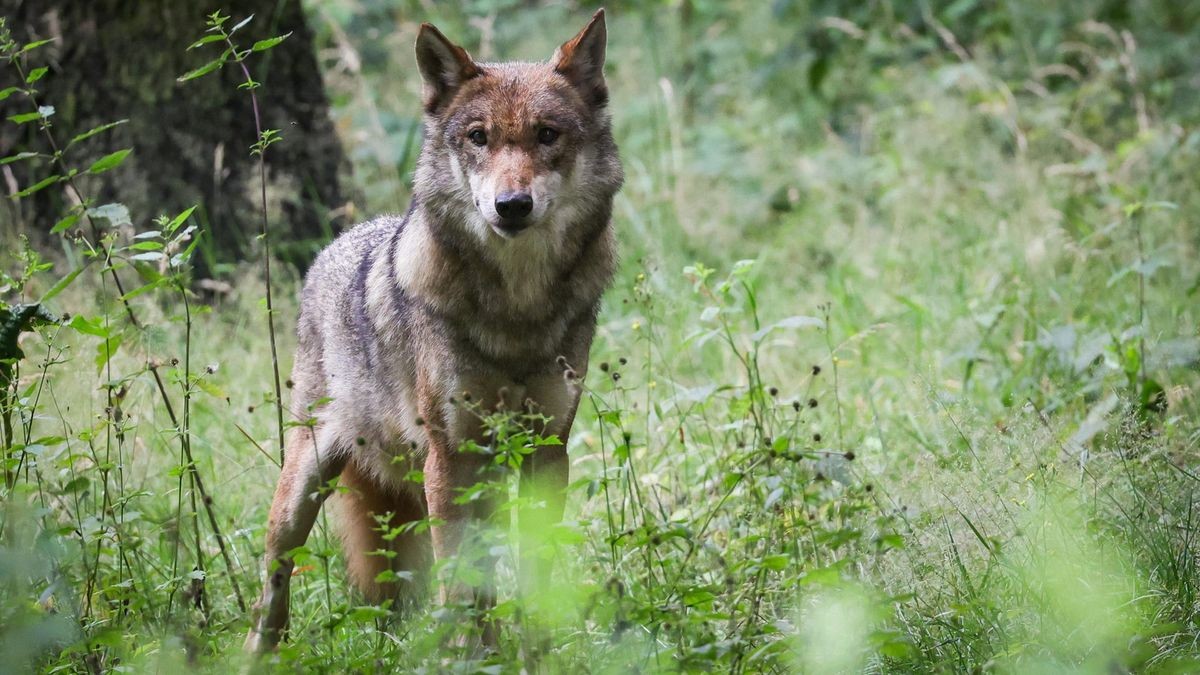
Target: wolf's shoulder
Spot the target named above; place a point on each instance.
(341, 259)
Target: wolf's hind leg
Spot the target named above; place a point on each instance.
(360, 507)
(310, 463)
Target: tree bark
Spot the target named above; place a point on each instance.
(116, 59)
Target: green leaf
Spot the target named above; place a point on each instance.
(202, 70)
(36, 74)
(18, 157)
(817, 71)
(5, 93)
(146, 288)
(241, 24)
(180, 258)
(106, 350)
(790, 322)
(205, 40)
(82, 324)
(149, 256)
(179, 220)
(211, 389)
(776, 562)
(1153, 397)
(30, 46)
(61, 285)
(115, 214)
(264, 45)
(65, 224)
(824, 576)
(109, 161)
(78, 484)
(146, 246)
(96, 130)
(25, 117)
(14, 320)
(44, 183)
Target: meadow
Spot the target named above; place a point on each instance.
(898, 374)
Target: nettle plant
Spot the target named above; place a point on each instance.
(710, 572)
(217, 35)
(96, 554)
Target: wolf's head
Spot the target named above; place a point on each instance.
(518, 147)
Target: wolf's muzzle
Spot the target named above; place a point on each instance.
(514, 205)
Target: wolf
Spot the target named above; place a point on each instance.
(482, 297)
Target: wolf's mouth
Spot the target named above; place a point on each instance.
(510, 228)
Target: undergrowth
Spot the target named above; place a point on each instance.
(898, 374)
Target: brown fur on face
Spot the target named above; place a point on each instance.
(512, 105)
(400, 316)
(509, 107)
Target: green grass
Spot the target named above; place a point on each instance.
(957, 459)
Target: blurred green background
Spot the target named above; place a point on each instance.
(906, 330)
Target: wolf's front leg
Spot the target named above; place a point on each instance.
(544, 478)
(449, 472)
(310, 463)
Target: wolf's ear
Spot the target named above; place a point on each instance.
(444, 66)
(581, 60)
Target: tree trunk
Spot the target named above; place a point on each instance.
(116, 59)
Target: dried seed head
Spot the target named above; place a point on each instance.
(289, 384)
(623, 361)
(849, 455)
(616, 376)
(360, 441)
(250, 409)
(604, 366)
(812, 402)
(816, 370)
(174, 361)
(796, 406)
(420, 421)
(816, 438)
(773, 391)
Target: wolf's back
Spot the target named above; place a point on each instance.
(332, 305)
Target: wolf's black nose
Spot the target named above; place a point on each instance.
(513, 205)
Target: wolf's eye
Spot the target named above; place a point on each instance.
(478, 137)
(547, 136)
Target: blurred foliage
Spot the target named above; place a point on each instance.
(899, 373)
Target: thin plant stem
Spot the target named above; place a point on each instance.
(136, 323)
(261, 150)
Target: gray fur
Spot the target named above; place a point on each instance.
(409, 325)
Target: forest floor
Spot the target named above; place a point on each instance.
(898, 375)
